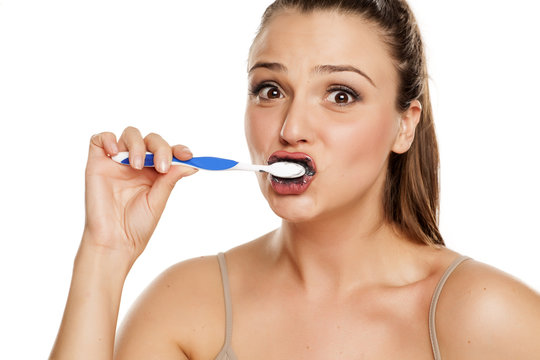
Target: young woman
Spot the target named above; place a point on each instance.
(358, 268)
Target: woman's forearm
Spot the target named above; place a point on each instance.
(88, 326)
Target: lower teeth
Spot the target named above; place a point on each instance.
(299, 180)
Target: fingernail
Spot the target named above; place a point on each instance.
(114, 148)
(162, 166)
(138, 162)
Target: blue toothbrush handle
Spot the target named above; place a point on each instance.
(206, 163)
(202, 162)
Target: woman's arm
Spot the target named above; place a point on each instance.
(88, 327)
(484, 313)
(123, 207)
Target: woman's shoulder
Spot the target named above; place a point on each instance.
(182, 308)
(484, 313)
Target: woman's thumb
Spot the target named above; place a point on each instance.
(163, 186)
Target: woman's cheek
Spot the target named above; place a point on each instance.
(378, 132)
(364, 145)
(259, 131)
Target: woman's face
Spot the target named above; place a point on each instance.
(323, 86)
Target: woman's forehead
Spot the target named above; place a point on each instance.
(318, 38)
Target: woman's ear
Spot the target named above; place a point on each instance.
(407, 126)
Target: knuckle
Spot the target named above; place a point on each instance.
(131, 131)
(157, 143)
(96, 139)
(152, 137)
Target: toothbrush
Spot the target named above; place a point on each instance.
(282, 169)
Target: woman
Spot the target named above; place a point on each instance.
(358, 266)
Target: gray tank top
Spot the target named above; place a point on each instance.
(227, 352)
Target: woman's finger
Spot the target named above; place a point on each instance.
(162, 152)
(133, 142)
(182, 152)
(165, 183)
(103, 144)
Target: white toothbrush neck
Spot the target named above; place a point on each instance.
(250, 167)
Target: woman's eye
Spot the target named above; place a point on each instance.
(266, 91)
(342, 96)
(270, 92)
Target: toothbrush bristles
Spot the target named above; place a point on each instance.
(287, 170)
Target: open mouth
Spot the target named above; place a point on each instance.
(295, 185)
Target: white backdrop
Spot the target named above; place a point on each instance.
(72, 68)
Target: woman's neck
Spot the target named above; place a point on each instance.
(341, 253)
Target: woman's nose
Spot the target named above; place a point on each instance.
(296, 127)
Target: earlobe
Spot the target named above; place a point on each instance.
(407, 125)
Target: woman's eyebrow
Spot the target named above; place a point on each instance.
(340, 68)
(318, 69)
(269, 65)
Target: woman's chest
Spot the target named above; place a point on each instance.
(392, 327)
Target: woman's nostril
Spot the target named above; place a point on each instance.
(293, 131)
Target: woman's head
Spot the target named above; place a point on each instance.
(348, 80)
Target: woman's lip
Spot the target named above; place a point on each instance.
(296, 157)
(292, 186)
(288, 187)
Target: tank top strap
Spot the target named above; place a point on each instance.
(433, 306)
(226, 352)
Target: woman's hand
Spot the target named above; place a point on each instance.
(124, 203)
(123, 206)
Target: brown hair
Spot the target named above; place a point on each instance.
(411, 194)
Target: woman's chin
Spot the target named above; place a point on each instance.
(290, 206)
(293, 208)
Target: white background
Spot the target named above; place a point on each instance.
(69, 69)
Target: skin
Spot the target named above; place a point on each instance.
(334, 281)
